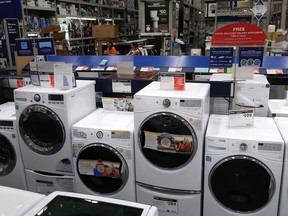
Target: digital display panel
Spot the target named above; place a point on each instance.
(56, 97)
(24, 47)
(45, 46)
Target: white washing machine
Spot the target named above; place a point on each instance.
(64, 203)
(45, 116)
(16, 202)
(11, 165)
(169, 136)
(278, 108)
(282, 125)
(103, 150)
(243, 168)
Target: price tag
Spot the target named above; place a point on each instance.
(241, 118)
(274, 71)
(166, 205)
(216, 70)
(121, 86)
(146, 69)
(172, 81)
(174, 69)
(45, 187)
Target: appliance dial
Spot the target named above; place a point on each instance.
(99, 134)
(243, 146)
(37, 97)
(166, 103)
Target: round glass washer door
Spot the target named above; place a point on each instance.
(7, 156)
(167, 129)
(102, 168)
(41, 129)
(242, 184)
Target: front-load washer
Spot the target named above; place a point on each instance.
(282, 125)
(243, 168)
(16, 202)
(103, 154)
(45, 116)
(278, 107)
(68, 204)
(169, 135)
(11, 165)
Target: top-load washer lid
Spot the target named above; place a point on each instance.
(167, 140)
(16, 202)
(41, 129)
(73, 204)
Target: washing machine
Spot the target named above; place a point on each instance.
(65, 203)
(243, 168)
(103, 153)
(11, 165)
(16, 202)
(282, 125)
(45, 116)
(169, 135)
(278, 108)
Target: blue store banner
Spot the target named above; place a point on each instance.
(10, 9)
(251, 56)
(221, 57)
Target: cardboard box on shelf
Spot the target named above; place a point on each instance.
(53, 28)
(59, 35)
(105, 31)
(269, 35)
(278, 36)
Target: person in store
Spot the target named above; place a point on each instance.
(134, 50)
(111, 50)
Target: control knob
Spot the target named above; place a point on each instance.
(37, 97)
(243, 146)
(99, 134)
(166, 103)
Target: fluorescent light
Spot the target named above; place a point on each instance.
(88, 18)
(108, 19)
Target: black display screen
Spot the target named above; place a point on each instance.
(56, 97)
(72, 206)
(6, 123)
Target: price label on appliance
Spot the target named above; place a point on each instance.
(241, 118)
(45, 187)
(166, 205)
(121, 86)
(172, 81)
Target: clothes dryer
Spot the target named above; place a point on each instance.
(282, 125)
(169, 136)
(64, 203)
(16, 202)
(11, 165)
(45, 116)
(103, 150)
(243, 168)
(278, 108)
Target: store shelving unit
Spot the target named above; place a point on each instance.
(80, 16)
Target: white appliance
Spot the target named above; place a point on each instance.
(16, 202)
(103, 150)
(45, 117)
(169, 135)
(249, 93)
(64, 203)
(278, 108)
(11, 165)
(282, 125)
(243, 168)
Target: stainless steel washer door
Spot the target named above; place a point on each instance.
(41, 129)
(242, 183)
(7, 156)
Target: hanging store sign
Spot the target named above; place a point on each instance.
(10, 9)
(259, 9)
(157, 16)
(239, 34)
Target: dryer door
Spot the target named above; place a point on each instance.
(41, 129)
(167, 140)
(7, 156)
(242, 184)
(102, 168)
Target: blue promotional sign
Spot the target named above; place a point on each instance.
(221, 57)
(10, 9)
(24, 47)
(45, 46)
(12, 33)
(251, 56)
